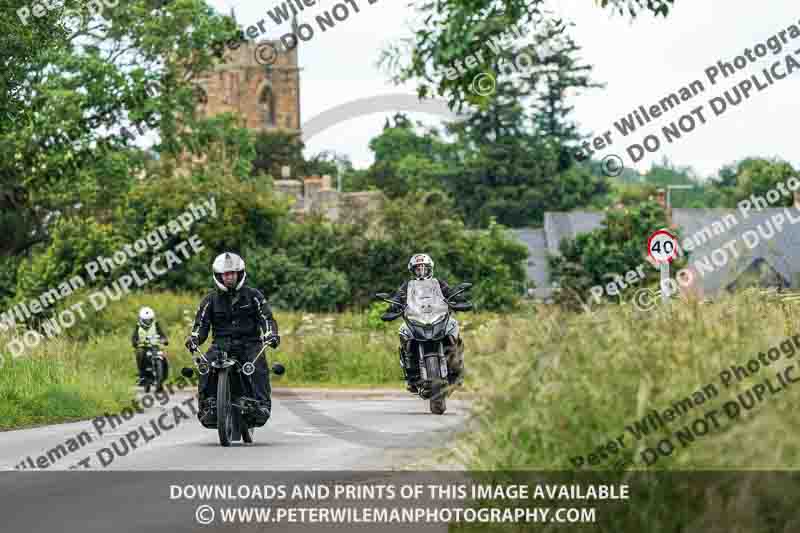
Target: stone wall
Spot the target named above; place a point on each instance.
(314, 195)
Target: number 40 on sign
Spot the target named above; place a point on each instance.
(662, 247)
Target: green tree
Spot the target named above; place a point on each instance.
(448, 30)
(70, 84)
(753, 176)
(407, 161)
(276, 149)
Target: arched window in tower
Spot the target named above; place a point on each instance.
(266, 106)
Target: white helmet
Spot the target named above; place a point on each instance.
(421, 266)
(146, 317)
(228, 262)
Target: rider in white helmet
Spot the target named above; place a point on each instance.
(242, 322)
(421, 267)
(147, 326)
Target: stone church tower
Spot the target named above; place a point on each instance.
(265, 96)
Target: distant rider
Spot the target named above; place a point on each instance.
(421, 266)
(146, 327)
(242, 323)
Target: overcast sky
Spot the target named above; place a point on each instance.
(641, 63)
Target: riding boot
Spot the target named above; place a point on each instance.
(262, 392)
(208, 411)
(455, 363)
(140, 366)
(206, 393)
(407, 374)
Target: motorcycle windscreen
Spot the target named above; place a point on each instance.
(425, 302)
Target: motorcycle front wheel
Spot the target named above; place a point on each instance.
(159, 375)
(438, 401)
(224, 411)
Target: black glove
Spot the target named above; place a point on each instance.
(391, 313)
(273, 340)
(191, 343)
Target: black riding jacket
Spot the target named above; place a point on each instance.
(402, 294)
(234, 315)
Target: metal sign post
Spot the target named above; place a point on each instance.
(664, 283)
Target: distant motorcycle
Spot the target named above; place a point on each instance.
(156, 367)
(427, 317)
(235, 399)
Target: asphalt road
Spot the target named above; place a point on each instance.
(304, 433)
(315, 440)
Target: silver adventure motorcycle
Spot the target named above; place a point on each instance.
(427, 317)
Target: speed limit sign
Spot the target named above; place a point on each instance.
(662, 247)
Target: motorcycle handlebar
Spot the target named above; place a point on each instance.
(385, 297)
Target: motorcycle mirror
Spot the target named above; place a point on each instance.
(381, 295)
(187, 372)
(278, 369)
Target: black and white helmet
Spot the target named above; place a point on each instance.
(228, 262)
(421, 266)
(146, 317)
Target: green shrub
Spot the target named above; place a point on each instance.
(8, 279)
(373, 316)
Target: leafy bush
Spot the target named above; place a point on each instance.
(247, 215)
(8, 279)
(74, 243)
(288, 284)
(373, 316)
(319, 265)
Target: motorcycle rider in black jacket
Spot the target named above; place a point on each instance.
(421, 266)
(242, 322)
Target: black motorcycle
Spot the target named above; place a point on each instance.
(237, 415)
(427, 316)
(156, 367)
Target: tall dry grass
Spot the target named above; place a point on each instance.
(557, 385)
